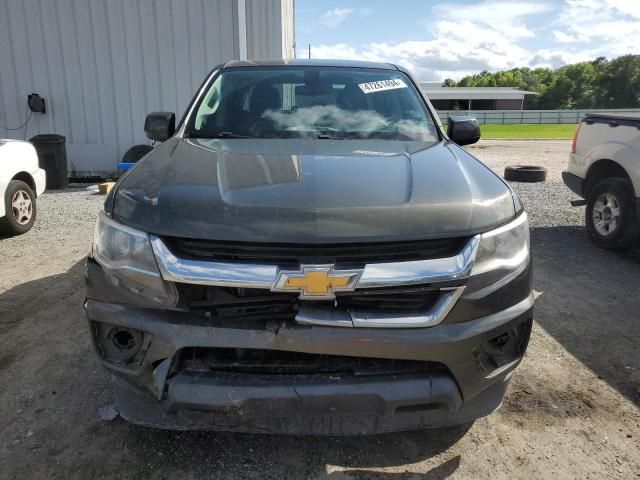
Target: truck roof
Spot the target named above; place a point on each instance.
(312, 62)
(614, 119)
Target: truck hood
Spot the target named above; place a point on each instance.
(311, 191)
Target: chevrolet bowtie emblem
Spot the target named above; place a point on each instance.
(316, 282)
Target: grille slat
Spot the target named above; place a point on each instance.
(241, 303)
(293, 255)
(276, 362)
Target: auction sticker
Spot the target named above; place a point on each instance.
(382, 85)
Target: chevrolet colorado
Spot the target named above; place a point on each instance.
(307, 252)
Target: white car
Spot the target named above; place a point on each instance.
(21, 181)
(604, 169)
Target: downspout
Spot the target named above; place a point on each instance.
(242, 29)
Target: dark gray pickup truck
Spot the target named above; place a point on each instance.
(308, 252)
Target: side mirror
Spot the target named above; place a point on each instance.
(160, 125)
(463, 130)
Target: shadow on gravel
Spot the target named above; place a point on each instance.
(276, 456)
(590, 303)
(39, 299)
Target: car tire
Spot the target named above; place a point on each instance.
(20, 209)
(525, 173)
(610, 215)
(135, 153)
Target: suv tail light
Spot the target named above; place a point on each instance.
(575, 139)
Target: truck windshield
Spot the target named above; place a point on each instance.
(306, 102)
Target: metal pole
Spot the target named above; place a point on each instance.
(309, 50)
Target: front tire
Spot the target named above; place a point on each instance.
(20, 209)
(611, 215)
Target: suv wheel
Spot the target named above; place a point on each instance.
(20, 208)
(610, 214)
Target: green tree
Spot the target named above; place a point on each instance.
(597, 84)
(619, 83)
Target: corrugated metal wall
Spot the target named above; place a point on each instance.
(102, 65)
(270, 27)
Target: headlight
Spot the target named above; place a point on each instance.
(505, 248)
(127, 258)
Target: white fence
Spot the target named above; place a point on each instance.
(530, 116)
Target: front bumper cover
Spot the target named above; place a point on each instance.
(151, 392)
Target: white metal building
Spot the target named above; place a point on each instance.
(102, 65)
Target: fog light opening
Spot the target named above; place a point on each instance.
(500, 341)
(120, 345)
(503, 346)
(123, 340)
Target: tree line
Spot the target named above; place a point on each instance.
(600, 83)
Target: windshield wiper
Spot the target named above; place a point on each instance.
(217, 135)
(324, 136)
(231, 135)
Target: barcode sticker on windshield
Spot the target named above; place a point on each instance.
(390, 84)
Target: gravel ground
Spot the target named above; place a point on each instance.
(572, 410)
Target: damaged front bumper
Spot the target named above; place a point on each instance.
(179, 370)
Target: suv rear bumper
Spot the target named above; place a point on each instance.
(150, 391)
(575, 183)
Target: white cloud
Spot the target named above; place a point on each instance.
(556, 58)
(503, 17)
(494, 35)
(333, 18)
(447, 56)
(607, 20)
(562, 37)
(628, 7)
(337, 51)
(601, 28)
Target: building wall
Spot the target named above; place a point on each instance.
(504, 104)
(475, 104)
(102, 65)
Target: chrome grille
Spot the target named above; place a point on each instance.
(292, 254)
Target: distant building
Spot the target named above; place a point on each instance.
(474, 98)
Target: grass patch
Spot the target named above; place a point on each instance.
(554, 130)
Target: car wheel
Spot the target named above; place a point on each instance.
(610, 214)
(525, 173)
(135, 153)
(20, 208)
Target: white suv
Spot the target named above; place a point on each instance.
(21, 181)
(604, 169)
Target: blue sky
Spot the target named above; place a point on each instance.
(450, 39)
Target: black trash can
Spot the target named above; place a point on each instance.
(52, 157)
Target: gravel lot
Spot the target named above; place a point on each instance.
(572, 410)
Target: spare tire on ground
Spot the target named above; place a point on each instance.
(135, 153)
(525, 173)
